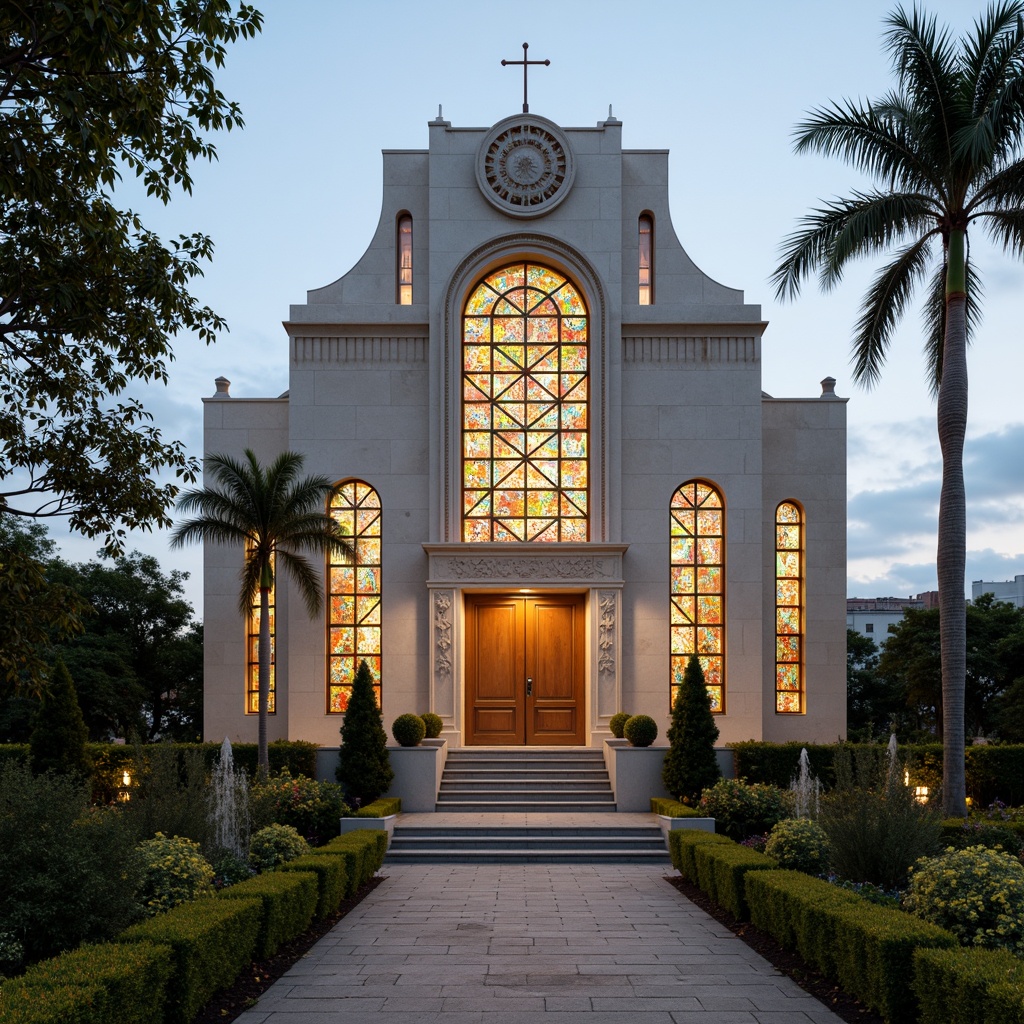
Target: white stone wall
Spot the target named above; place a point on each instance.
(805, 460)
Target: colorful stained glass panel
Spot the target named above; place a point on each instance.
(789, 669)
(252, 664)
(697, 599)
(525, 408)
(354, 601)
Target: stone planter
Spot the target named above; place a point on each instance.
(635, 774)
(387, 824)
(418, 774)
(667, 824)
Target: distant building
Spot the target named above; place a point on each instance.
(872, 616)
(1009, 590)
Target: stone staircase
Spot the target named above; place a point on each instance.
(502, 844)
(523, 779)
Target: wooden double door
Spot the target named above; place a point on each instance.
(525, 669)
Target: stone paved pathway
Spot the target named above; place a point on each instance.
(517, 944)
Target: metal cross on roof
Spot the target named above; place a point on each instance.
(526, 63)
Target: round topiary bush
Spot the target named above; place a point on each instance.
(408, 730)
(618, 722)
(741, 809)
(640, 730)
(434, 724)
(977, 894)
(799, 845)
(275, 844)
(175, 872)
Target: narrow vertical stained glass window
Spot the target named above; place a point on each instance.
(525, 408)
(405, 260)
(252, 662)
(698, 586)
(353, 594)
(646, 260)
(789, 610)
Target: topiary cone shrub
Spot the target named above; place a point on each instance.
(618, 722)
(408, 730)
(363, 765)
(434, 724)
(59, 732)
(690, 764)
(641, 730)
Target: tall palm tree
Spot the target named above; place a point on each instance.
(944, 152)
(276, 516)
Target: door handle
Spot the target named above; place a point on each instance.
(529, 686)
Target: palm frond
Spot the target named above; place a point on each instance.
(934, 319)
(306, 578)
(1006, 227)
(883, 308)
(832, 235)
(992, 59)
(1003, 189)
(876, 139)
(925, 61)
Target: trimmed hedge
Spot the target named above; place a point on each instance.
(64, 1004)
(332, 879)
(722, 870)
(211, 939)
(992, 771)
(868, 949)
(363, 851)
(969, 986)
(672, 808)
(682, 845)
(288, 901)
(118, 984)
(380, 808)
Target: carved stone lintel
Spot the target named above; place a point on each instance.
(501, 564)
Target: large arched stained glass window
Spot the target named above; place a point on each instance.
(524, 408)
(698, 586)
(354, 591)
(789, 608)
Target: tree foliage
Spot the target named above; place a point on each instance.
(943, 153)
(690, 764)
(59, 733)
(363, 764)
(276, 517)
(89, 298)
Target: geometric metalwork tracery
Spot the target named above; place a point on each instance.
(789, 608)
(525, 408)
(698, 586)
(354, 594)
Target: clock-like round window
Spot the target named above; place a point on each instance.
(524, 166)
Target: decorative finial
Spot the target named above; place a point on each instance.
(223, 388)
(828, 387)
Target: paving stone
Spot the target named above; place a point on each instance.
(517, 944)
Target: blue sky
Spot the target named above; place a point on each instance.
(294, 199)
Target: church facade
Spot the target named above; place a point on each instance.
(553, 453)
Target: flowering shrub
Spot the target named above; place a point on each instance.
(741, 809)
(977, 894)
(275, 844)
(868, 891)
(314, 809)
(799, 845)
(174, 872)
(756, 842)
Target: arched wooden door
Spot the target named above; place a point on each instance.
(525, 669)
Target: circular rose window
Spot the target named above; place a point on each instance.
(524, 166)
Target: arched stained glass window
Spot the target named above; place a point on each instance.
(403, 266)
(525, 408)
(698, 586)
(354, 592)
(789, 608)
(646, 248)
(252, 661)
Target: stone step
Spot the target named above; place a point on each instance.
(449, 785)
(523, 845)
(522, 806)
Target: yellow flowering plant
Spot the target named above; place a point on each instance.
(976, 893)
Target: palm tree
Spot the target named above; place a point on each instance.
(944, 151)
(276, 516)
